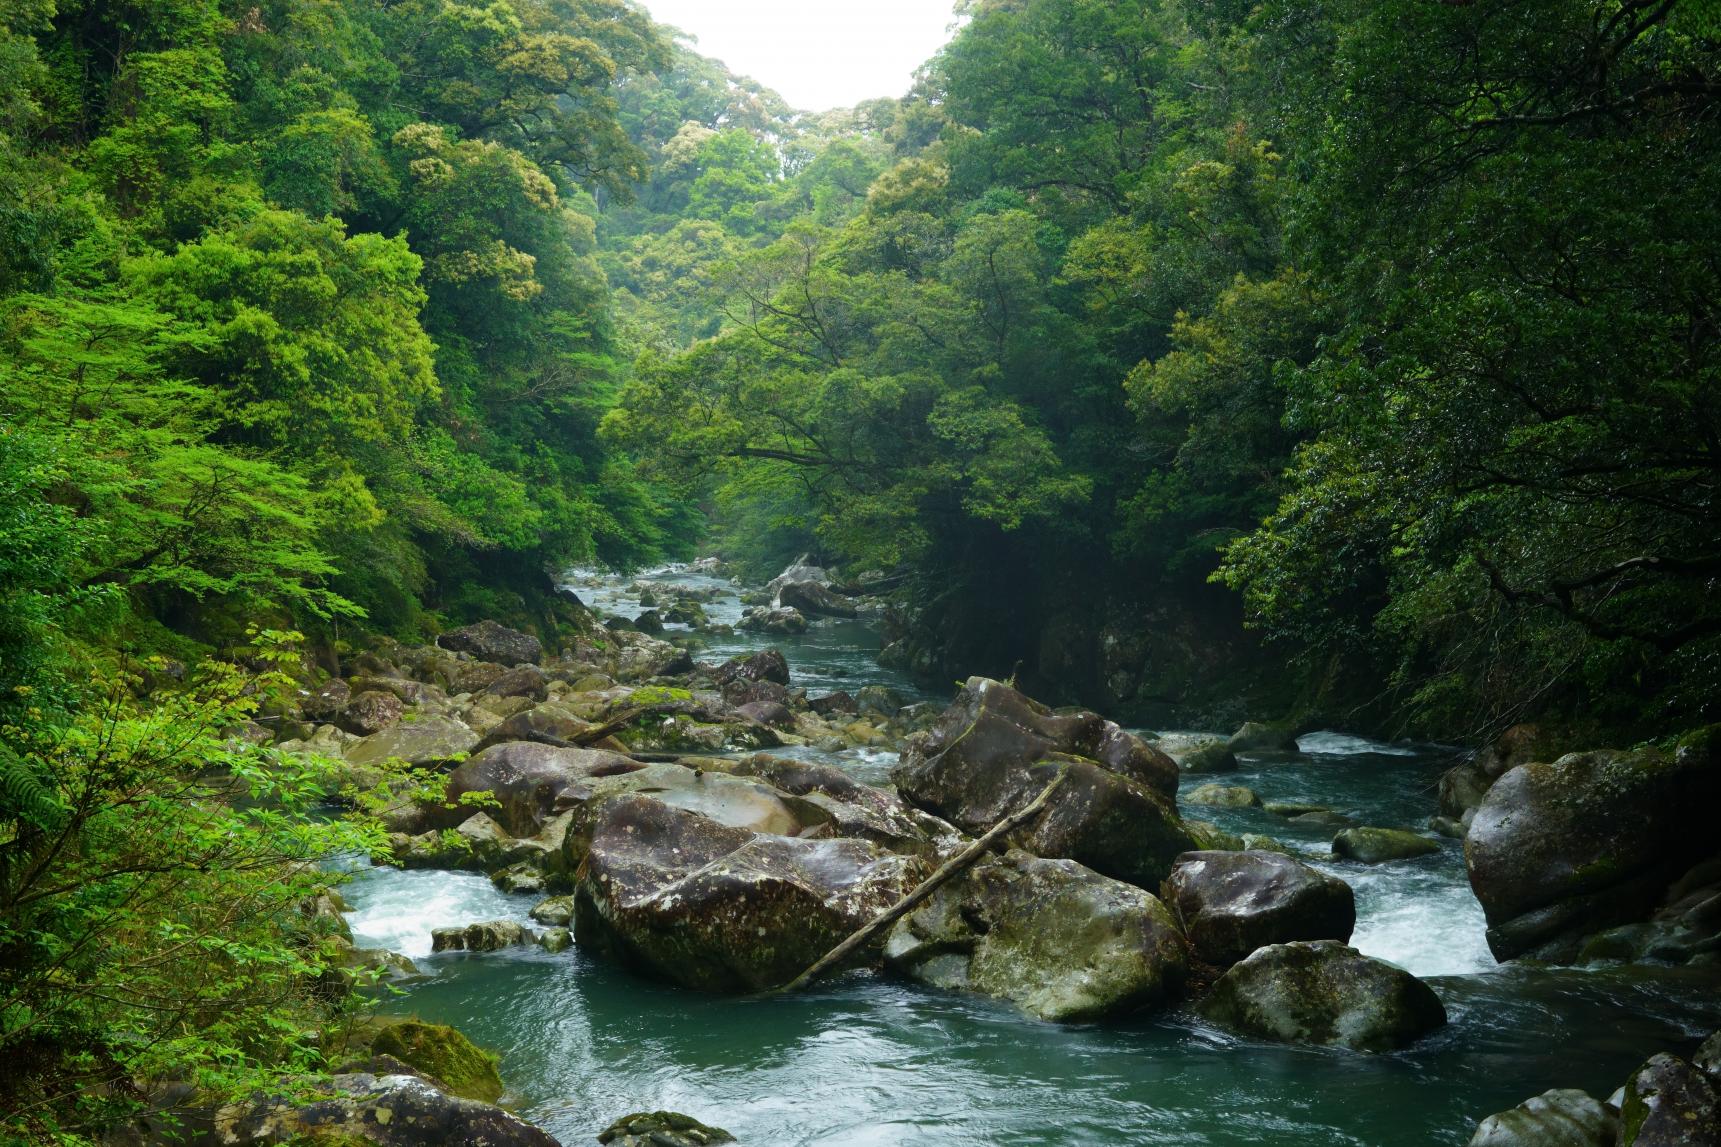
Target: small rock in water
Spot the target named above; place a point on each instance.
(1324, 993)
(661, 1129)
(1258, 737)
(490, 936)
(555, 939)
(1222, 796)
(1378, 845)
(557, 911)
(1209, 756)
(1562, 1117)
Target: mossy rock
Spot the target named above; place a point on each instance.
(661, 1129)
(438, 1050)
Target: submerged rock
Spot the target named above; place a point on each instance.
(993, 751)
(443, 1052)
(1323, 992)
(1231, 903)
(1559, 1118)
(491, 641)
(1056, 938)
(670, 891)
(1592, 840)
(661, 1129)
(1379, 845)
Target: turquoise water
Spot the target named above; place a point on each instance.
(869, 1060)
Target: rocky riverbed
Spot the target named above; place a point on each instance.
(703, 816)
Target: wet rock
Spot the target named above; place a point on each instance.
(1323, 992)
(389, 1110)
(768, 713)
(490, 641)
(661, 1129)
(800, 572)
(1669, 1103)
(555, 940)
(765, 665)
(1379, 845)
(1447, 827)
(1558, 1118)
(838, 702)
(551, 723)
(426, 742)
(880, 699)
(1707, 1058)
(370, 712)
(815, 600)
(1258, 737)
(1231, 903)
(1256, 842)
(994, 750)
(766, 619)
(741, 692)
(1289, 809)
(677, 894)
(522, 879)
(523, 681)
(1323, 818)
(1222, 796)
(532, 782)
(1210, 837)
(828, 802)
(1209, 756)
(557, 911)
(489, 936)
(1590, 841)
(649, 622)
(1056, 938)
(440, 1051)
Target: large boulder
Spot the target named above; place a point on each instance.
(1209, 755)
(427, 742)
(532, 782)
(552, 723)
(391, 1110)
(1231, 903)
(1669, 1103)
(1325, 993)
(674, 893)
(491, 641)
(1560, 1118)
(1054, 937)
(444, 1053)
(828, 802)
(993, 751)
(800, 572)
(814, 600)
(765, 665)
(780, 620)
(1592, 840)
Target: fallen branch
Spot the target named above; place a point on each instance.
(950, 868)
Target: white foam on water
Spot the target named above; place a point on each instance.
(1424, 921)
(398, 910)
(1329, 743)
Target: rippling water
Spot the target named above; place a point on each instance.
(868, 1060)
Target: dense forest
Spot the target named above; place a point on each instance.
(1350, 363)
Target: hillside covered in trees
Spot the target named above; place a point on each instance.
(1355, 364)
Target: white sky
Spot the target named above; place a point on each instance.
(818, 54)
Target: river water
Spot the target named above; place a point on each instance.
(870, 1060)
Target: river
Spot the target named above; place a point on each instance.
(869, 1060)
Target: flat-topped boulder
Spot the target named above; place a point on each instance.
(1231, 903)
(424, 741)
(1322, 992)
(672, 892)
(994, 749)
(1053, 937)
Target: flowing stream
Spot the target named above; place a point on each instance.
(870, 1060)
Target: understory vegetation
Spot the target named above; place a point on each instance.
(1333, 359)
